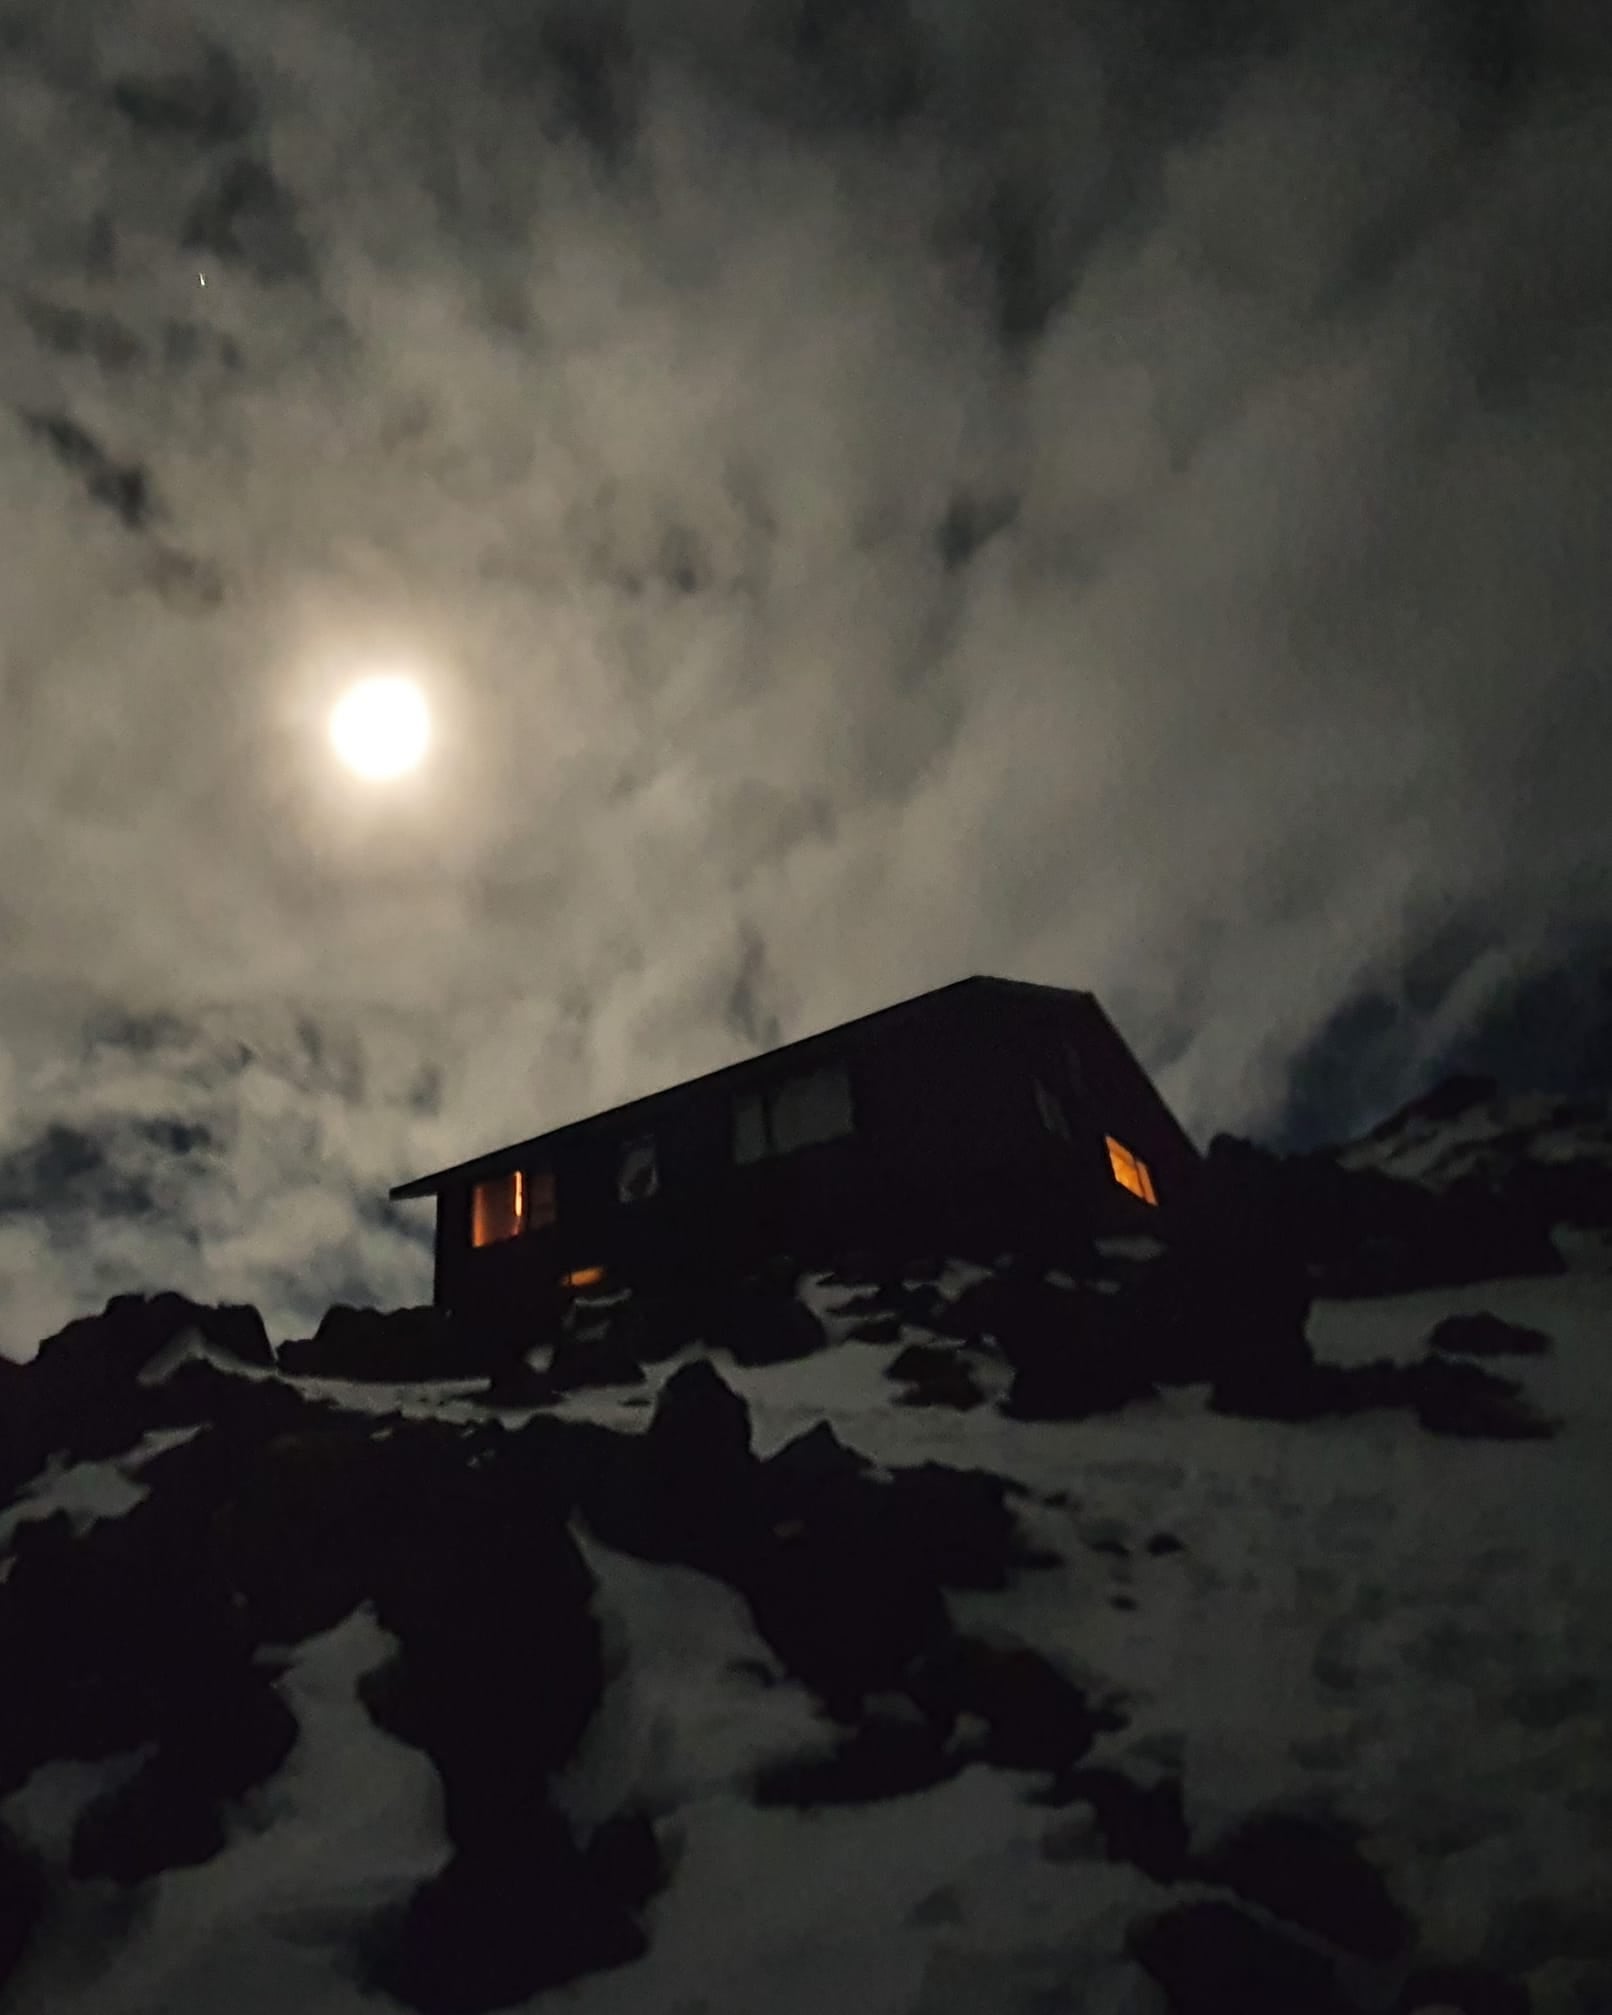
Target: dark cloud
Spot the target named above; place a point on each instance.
(1113, 495)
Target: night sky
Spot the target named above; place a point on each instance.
(1114, 495)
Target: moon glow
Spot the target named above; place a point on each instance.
(381, 727)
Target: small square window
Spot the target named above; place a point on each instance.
(637, 1172)
(1051, 1110)
(749, 1128)
(540, 1204)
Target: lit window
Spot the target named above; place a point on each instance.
(506, 1205)
(1130, 1171)
(637, 1175)
(497, 1208)
(797, 1113)
(583, 1276)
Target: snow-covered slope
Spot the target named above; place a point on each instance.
(1466, 1131)
(1403, 1637)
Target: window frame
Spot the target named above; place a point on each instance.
(636, 1144)
(753, 1132)
(532, 1205)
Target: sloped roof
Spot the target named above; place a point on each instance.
(498, 1159)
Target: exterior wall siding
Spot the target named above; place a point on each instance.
(950, 1150)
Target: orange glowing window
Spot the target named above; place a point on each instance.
(506, 1205)
(583, 1276)
(497, 1208)
(1130, 1170)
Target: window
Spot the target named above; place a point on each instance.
(506, 1205)
(1051, 1111)
(1130, 1171)
(637, 1175)
(497, 1208)
(539, 1199)
(583, 1276)
(800, 1112)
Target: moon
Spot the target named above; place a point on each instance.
(381, 727)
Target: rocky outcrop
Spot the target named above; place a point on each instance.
(392, 1345)
(91, 1391)
(1486, 1335)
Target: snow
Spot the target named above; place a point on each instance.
(350, 1825)
(1411, 1631)
(1489, 1138)
(89, 1491)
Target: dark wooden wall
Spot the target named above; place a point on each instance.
(949, 1152)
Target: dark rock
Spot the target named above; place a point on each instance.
(920, 1361)
(496, 1927)
(1036, 1718)
(792, 1478)
(1462, 1990)
(1019, 1309)
(1449, 1097)
(82, 1394)
(1574, 1191)
(308, 1522)
(134, 1641)
(1094, 1368)
(623, 1859)
(843, 1598)
(155, 1821)
(935, 1376)
(22, 1903)
(689, 1488)
(579, 1362)
(1363, 1232)
(1143, 1824)
(954, 1388)
(392, 1345)
(1072, 1352)
(700, 1427)
(881, 1759)
(518, 1384)
(227, 1733)
(956, 1524)
(499, 1665)
(1485, 1335)
(882, 1327)
(1311, 1872)
(1454, 1398)
(761, 1321)
(1211, 1958)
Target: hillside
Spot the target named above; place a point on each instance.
(909, 1645)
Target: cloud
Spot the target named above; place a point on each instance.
(1116, 501)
